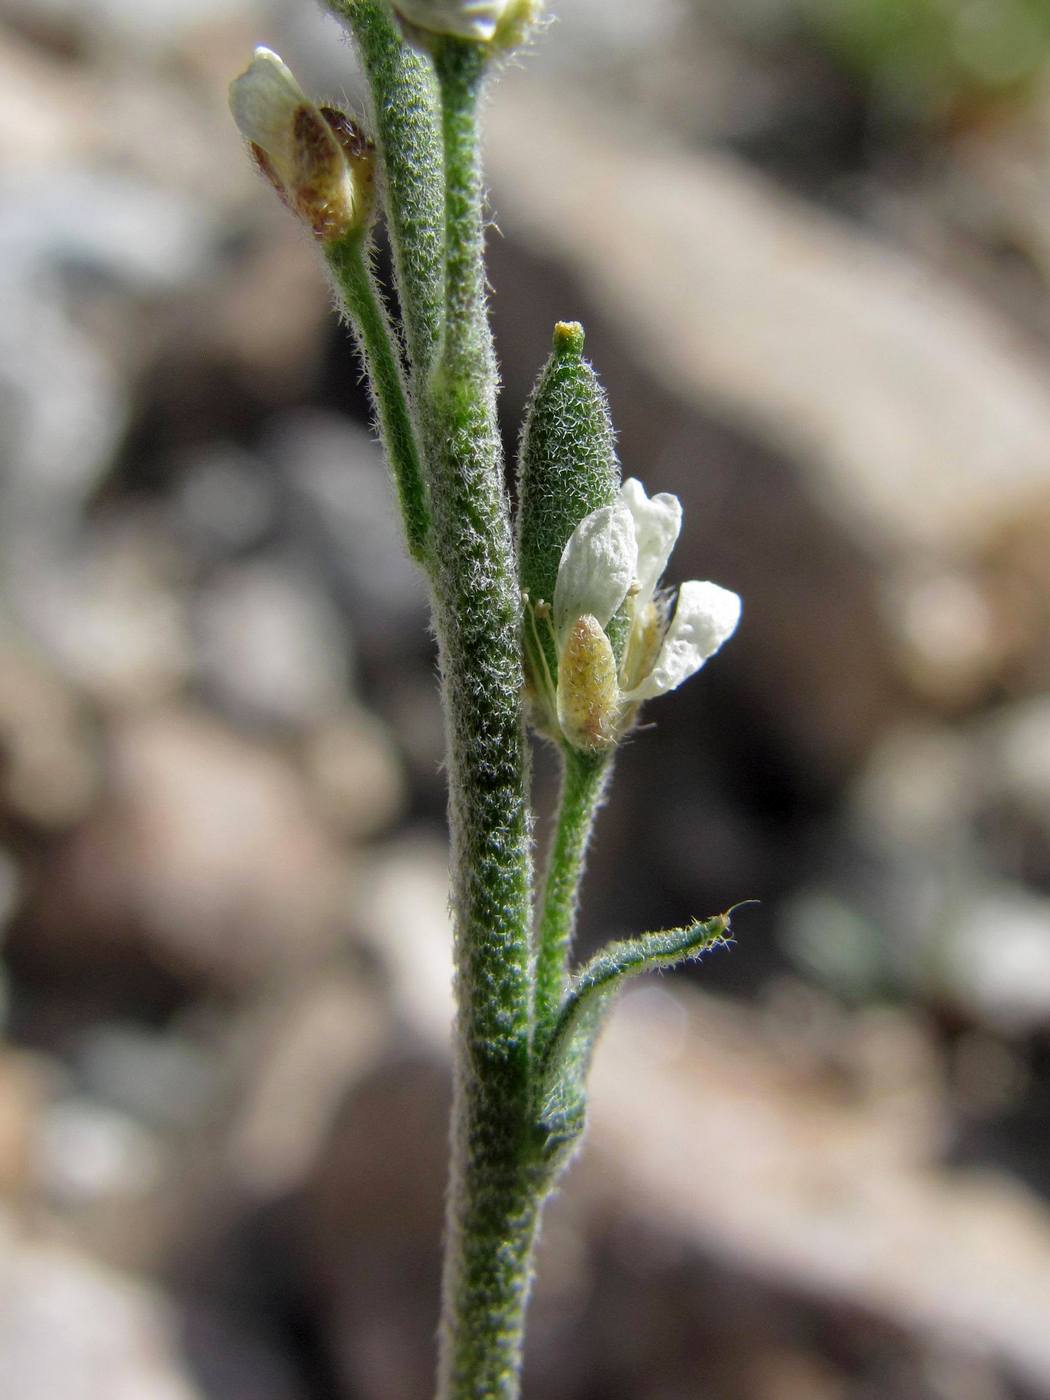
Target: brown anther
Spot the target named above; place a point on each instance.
(350, 136)
(315, 146)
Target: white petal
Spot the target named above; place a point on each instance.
(469, 19)
(597, 567)
(706, 616)
(657, 522)
(264, 100)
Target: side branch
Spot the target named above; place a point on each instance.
(350, 264)
(405, 126)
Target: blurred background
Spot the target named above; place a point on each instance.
(810, 242)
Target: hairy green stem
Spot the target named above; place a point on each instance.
(583, 783)
(350, 264)
(467, 353)
(404, 124)
(493, 1195)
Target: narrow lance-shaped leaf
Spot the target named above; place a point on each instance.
(562, 1088)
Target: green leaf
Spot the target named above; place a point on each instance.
(566, 1059)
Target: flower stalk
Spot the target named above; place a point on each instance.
(350, 264)
(404, 124)
(583, 783)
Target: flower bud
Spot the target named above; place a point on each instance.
(567, 469)
(319, 162)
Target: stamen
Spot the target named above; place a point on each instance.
(532, 611)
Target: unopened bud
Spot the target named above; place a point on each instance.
(316, 158)
(567, 466)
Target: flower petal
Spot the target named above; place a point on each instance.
(706, 616)
(469, 19)
(597, 567)
(264, 101)
(657, 521)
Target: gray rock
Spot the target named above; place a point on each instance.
(270, 645)
(162, 1080)
(994, 961)
(86, 1152)
(336, 473)
(73, 1328)
(204, 856)
(919, 418)
(223, 500)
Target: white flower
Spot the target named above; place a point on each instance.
(315, 158)
(618, 554)
(467, 19)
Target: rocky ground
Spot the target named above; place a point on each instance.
(814, 271)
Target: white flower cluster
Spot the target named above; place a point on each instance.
(615, 555)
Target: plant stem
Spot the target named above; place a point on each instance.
(350, 264)
(467, 352)
(583, 783)
(404, 123)
(493, 1195)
